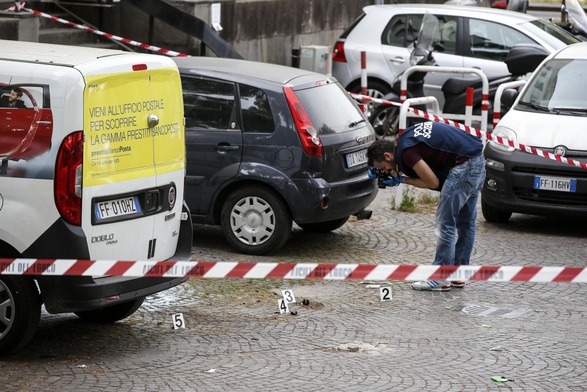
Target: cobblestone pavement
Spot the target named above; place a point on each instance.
(346, 338)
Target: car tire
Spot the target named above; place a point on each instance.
(112, 313)
(385, 120)
(324, 227)
(20, 312)
(255, 220)
(494, 215)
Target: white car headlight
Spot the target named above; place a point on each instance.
(505, 133)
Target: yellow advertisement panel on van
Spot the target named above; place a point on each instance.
(126, 131)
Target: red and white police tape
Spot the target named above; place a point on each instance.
(474, 131)
(20, 6)
(317, 271)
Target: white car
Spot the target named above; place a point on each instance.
(549, 114)
(472, 37)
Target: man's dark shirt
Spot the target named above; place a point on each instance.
(436, 159)
(5, 103)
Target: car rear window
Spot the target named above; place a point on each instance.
(352, 26)
(330, 108)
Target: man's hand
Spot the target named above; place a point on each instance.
(373, 172)
(393, 181)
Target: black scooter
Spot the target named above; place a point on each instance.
(385, 118)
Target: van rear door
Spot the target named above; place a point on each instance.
(133, 169)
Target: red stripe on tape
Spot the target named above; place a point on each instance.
(361, 272)
(79, 268)
(280, 270)
(568, 274)
(525, 274)
(119, 268)
(402, 272)
(240, 270)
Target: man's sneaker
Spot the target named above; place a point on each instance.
(457, 283)
(431, 285)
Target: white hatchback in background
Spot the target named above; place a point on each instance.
(549, 114)
(477, 37)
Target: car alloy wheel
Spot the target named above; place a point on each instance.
(255, 220)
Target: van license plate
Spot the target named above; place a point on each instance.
(356, 158)
(116, 208)
(555, 184)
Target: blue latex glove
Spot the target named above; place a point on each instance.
(393, 181)
(372, 172)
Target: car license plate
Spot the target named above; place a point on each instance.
(116, 208)
(356, 158)
(555, 184)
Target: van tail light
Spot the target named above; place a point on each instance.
(308, 134)
(68, 179)
(338, 52)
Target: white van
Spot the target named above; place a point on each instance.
(92, 159)
(549, 114)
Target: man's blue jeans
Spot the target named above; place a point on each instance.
(456, 215)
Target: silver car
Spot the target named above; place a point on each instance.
(473, 37)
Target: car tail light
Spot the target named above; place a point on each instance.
(338, 53)
(68, 179)
(308, 134)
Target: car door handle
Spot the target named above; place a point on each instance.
(226, 147)
(400, 60)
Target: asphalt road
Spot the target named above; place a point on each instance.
(346, 338)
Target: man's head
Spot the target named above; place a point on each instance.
(381, 154)
(15, 94)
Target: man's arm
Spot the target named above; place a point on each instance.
(427, 178)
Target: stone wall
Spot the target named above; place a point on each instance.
(259, 30)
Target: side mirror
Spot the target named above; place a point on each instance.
(508, 97)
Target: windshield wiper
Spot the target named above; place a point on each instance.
(579, 111)
(355, 123)
(534, 106)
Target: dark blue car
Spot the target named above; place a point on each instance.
(268, 145)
